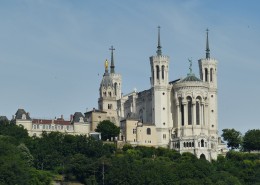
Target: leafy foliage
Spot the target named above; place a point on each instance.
(24, 160)
(251, 140)
(108, 130)
(232, 137)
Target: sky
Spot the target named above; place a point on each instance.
(52, 52)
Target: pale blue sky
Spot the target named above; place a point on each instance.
(52, 51)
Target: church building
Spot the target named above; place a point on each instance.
(180, 114)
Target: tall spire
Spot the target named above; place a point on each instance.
(112, 66)
(159, 51)
(207, 45)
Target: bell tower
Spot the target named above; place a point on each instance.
(116, 78)
(208, 74)
(160, 94)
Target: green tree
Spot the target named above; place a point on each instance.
(251, 140)
(232, 137)
(25, 154)
(108, 130)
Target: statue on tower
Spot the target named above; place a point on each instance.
(106, 65)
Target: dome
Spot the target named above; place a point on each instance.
(191, 78)
(107, 81)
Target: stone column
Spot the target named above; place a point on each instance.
(203, 116)
(178, 115)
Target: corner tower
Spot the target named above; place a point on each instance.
(208, 74)
(116, 78)
(110, 91)
(160, 94)
(107, 99)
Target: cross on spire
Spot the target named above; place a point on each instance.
(112, 66)
(159, 51)
(207, 45)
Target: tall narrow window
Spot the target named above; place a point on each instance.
(148, 131)
(157, 72)
(189, 110)
(197, 112)
(115, 88)
(163, 72)
(164, 136)
(206, 74)
(202, 143)
(182, 114)
(211, 74)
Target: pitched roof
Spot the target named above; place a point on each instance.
(77, 116)
(19, 114)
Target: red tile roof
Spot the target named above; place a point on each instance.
(49, 121)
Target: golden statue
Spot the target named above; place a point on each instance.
(106, 64)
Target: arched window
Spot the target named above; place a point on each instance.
(184, 144)
(109, 106)
(189, 110)
(189, 144)
(202, 143)
(148, 131)
(23, 116)
(182, 111)
(192, 144)
(206, 74)
(211, 74)
(157, 72)
(109, 94)
(163, 72)
(115, 88)
(202, 156)
(198, 102)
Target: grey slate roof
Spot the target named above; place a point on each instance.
(77, 116)
(107, 81)
(19, 114)
(191, 78)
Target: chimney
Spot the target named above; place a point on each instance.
(71, 117)
(61, 116)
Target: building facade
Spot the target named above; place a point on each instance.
(179, 114)
(77, 125)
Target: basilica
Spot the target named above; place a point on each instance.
(181, 114)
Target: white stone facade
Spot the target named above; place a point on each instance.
(183, 112)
